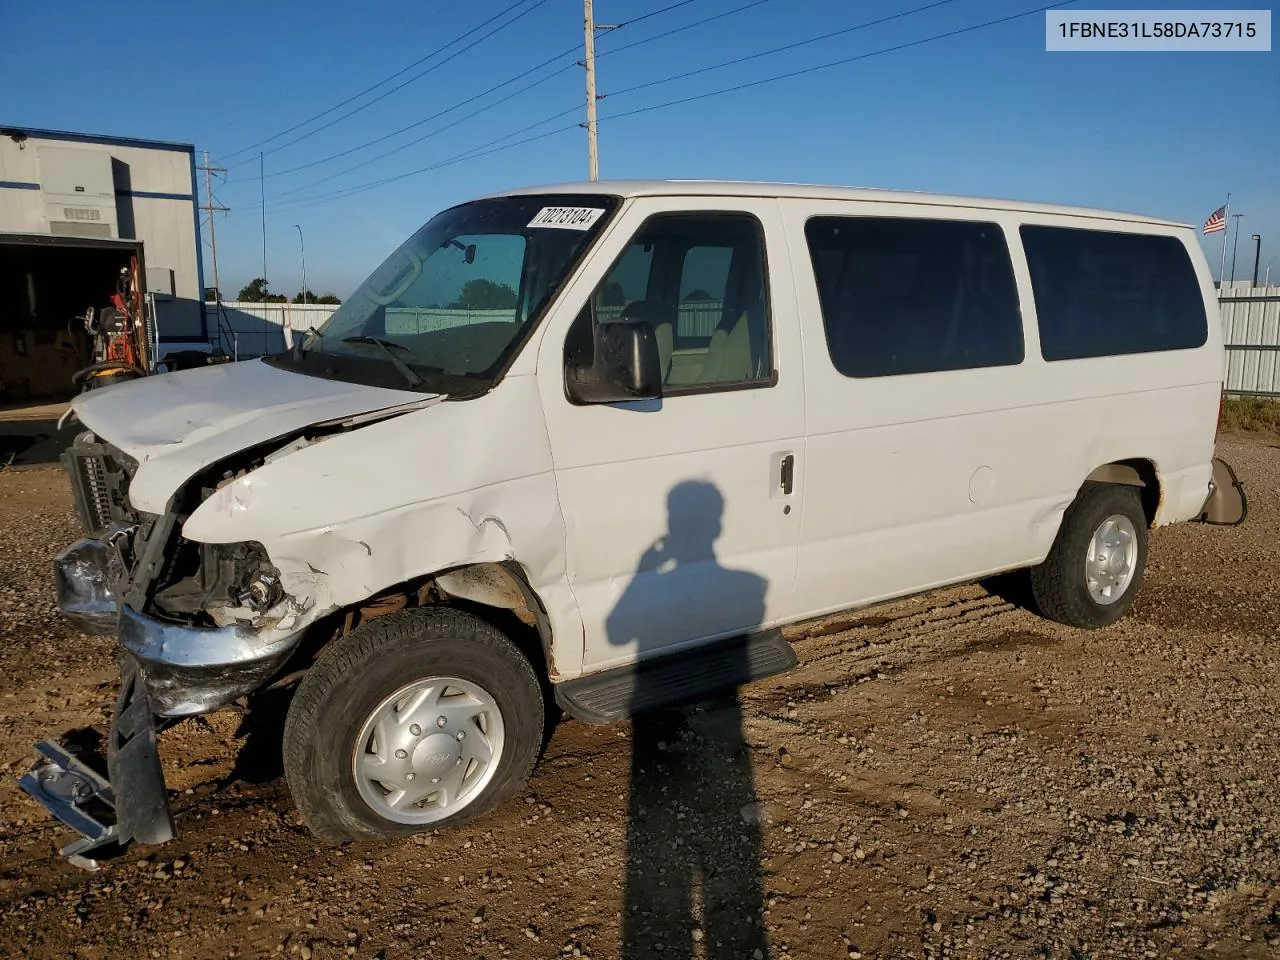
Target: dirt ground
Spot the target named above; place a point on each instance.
(945, 776)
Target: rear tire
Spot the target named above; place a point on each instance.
(1094, 570)
(431, 695)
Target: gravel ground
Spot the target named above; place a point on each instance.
(945, 776)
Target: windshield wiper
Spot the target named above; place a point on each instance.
(386, 347)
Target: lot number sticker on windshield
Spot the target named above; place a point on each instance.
(566, 218)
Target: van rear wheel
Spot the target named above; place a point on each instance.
(1095, 567)
(416, 720)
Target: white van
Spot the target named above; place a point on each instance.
(597, 443)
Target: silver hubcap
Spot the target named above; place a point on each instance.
(428, 750)
(1112, 560)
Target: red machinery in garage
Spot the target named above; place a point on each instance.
(119, 335)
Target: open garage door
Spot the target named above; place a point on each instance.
(47, 283)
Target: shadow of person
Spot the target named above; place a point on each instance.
(693, 885)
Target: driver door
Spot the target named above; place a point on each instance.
(682, 514)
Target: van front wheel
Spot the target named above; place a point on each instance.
(1095, 567)
(417, 720)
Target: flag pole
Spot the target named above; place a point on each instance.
(1222, 270)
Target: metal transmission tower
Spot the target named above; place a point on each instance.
(211, 207)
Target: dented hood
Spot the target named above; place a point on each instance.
(176, 424)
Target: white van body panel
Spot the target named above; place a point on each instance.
(617, 465)
(919, 480)
(355, 513)
(176, 424)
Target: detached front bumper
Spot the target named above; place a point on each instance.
(170, 670)
(185, 670)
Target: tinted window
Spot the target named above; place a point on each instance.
(912, 296)
(1100, 294)
(700, 281)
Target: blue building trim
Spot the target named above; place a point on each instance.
(152, 195)
(66, 135)
(18, 185)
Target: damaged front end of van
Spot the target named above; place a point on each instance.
(198, 624)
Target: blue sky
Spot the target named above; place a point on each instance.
(988, 112)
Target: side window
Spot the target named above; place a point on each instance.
(699, 279)
(905, 296)
(1104, 294)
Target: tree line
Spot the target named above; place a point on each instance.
(255, 291)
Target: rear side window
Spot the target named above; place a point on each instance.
(1102, 294)
(914, 296)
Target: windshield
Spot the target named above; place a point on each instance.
(447, 311)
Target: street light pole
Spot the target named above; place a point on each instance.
(1257, 254)
(1267, 281)
(302, 244)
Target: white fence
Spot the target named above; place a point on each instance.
(1251, 332)
(254, 329)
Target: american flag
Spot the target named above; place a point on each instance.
(1217, 221)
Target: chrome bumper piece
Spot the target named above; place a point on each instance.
(186, 670)
(134, 797)
(85, 575)
(171, 670)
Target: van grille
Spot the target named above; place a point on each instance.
(99, 477)
(97, 499)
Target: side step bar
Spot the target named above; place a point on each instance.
(614, 695)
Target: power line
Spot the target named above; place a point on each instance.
(468, 154)
(688, 26)
(782, 49)
(496, 87)
(435, 116)
(399, 73)
(477, 152)
(743, 59)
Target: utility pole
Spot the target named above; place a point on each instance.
(1236, 244)
(211, 208)
(590, 27)
(593, 152)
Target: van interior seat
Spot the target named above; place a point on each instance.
(729, 351)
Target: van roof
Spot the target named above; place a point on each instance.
(735, 188)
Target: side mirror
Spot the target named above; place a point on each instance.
(624, 366)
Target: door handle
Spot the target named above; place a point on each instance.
(787, 475)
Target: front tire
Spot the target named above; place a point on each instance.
(1095, 567)
(417, 720)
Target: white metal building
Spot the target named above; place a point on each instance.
(73, 208)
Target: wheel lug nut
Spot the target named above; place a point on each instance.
(461, 734)
(435, 779)
(415, 729)
(442, 721)
(408, 776)
(401, 754)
